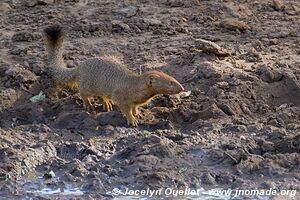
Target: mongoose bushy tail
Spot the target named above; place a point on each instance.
(107, 78)
(56, 65)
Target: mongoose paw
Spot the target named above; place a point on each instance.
(127, 111)
(88, 108)
(86, 103)
(137, 115)
(133, 122)
(107, 107)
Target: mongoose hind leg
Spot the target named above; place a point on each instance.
(127, 111)
(86, 102)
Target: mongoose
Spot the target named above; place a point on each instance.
(107, 78)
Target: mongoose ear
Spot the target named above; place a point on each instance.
(151, 78)
(149, 81)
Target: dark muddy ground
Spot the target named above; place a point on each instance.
(238, 127)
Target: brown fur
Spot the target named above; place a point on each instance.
(108, 78)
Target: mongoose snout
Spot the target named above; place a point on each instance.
(163, 83)
(107, 78)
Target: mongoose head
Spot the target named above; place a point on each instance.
(162, 83)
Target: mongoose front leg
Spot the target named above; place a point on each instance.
(107, 104)
(135, 111)
(127, 111)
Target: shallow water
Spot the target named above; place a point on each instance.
(54, 188)
(59, 191)
(39, 189)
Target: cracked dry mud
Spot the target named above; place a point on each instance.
(238, 127)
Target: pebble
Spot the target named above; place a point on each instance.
(127, 11)
(234, 24)
(119, 26)
(4, 7)
(23, 36)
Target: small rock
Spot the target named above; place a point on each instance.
(78, 168)
(282, 106)
(280, 34)
(211, 47)
(4, 175)
(11, 72)
(225, 178)
(93, 27)
(89, 123)
(267, 185)
(208, 179)
(94, 184)
(49, 175)
(215, 92)
(38, 97)
(245, 109)
(22, 37)
(274, 41)
(119, 26)
(70, 63)
(38, 68)
(278, 5)
(71, 121)
(223, 85)
(277, 122)
(26, 77)
(128, 11)
(208, 70)
(235, 128)
(293, 126)
(154, 139)
(269, 75)
(242, 137)
(184, 94)
(175, 3)
(266, 146)
(234, 24)
(32, 3)
(4, 7)
(44, 2)
(111, 118)
(253, 56)
(19, 51)
(26, 64)
(270, 41)
(152, 22)
(234, 81)
(296, 9)
(226, 109)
